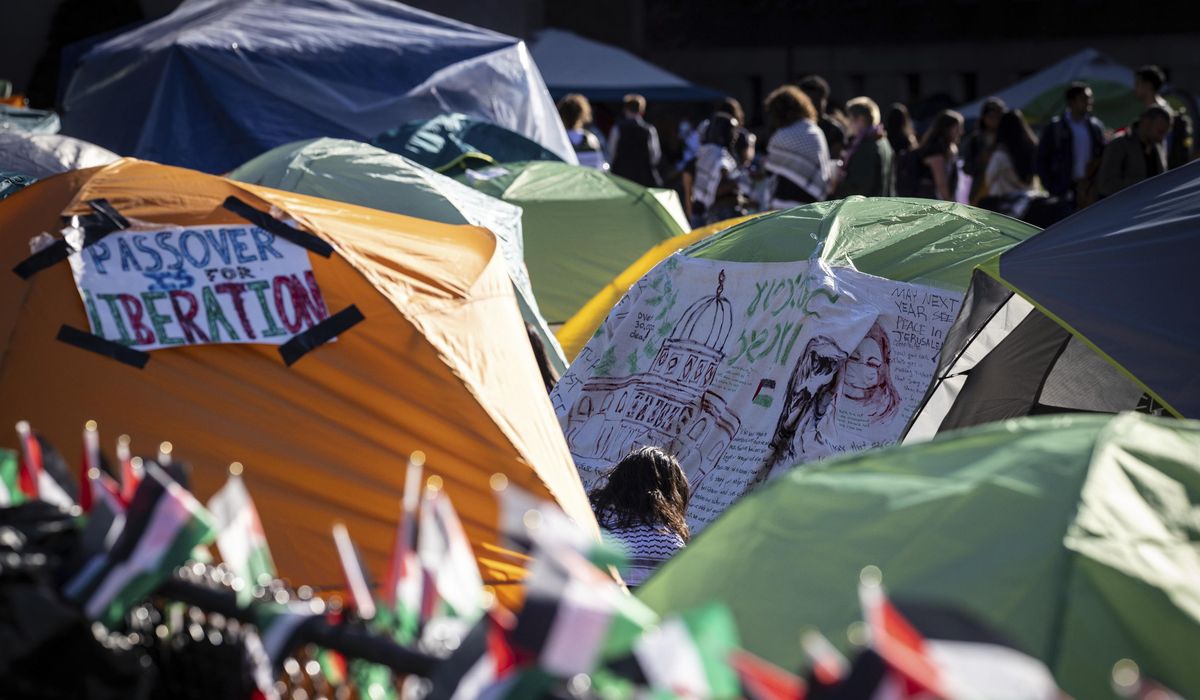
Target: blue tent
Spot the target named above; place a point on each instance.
(218, 82)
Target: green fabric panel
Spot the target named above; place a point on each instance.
(907, 240)
(1072, 535)
(582, 228)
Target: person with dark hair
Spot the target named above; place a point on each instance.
(977, 149)
(1069, 149)
(868, 168)
(817, 90)
(744, 140)
(1008, 181)
(899, 129)
(1135, 156)
(549, 375)
(1176, 150)
(1147, 84)
(576, 113)
(929, 170)
(797, 154)
(633, 147)
(642, 502)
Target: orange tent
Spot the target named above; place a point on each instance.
(440, 363)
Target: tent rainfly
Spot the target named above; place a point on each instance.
(318, 343)
(1097, 313)
(218, 82)
(571, 63)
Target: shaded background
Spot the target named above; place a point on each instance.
(929, 54)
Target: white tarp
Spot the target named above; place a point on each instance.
(42, 155)
(168, 286)
(744, 369)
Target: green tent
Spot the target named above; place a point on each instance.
(582, 226)
(908, 240)
(1075, 536)
(356, 173)
(451, 143)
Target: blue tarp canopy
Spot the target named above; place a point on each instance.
(218, 82)
(571, 63)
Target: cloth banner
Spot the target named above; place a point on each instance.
(743, 369)
(169, 286)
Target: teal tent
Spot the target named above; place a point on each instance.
(1074, 536)
(450, 143)
(357, 173)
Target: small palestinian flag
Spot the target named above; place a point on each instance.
(402, 589)
(763, 680)
(482, 661)
(91, 461)
(687, 655)
(932, 650)
(452, 586)
(575, 617)
(10, 479)
(532, 526)
(829, 667)
(162, 526)
(36, 481)
(282, 627)
(355, 573)
(131, 469)
(240, 537)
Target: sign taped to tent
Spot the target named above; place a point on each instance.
(172, 286)
(742, 370)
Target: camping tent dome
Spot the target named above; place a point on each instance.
(217, 82)
(356, 173)
(582, 226)
(571, 63)
(1073, 536)
(439, 362)
(450, 143)
(788, 338)
(43, 155)
(1097, 313)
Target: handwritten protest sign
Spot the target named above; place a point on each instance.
(742, 370)
(171, 286)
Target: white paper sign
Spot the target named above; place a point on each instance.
(168, 287)
(743, 369)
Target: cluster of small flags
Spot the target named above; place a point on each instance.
(578, 633)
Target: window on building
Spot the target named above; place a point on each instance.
(858, 84)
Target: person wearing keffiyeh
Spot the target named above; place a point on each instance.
(797, 154)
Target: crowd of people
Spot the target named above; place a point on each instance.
(818, 150)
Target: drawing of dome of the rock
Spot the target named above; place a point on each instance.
(696, 347)
(708, 320)
(656, 406)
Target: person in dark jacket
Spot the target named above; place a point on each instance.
(868, 159)
(1176, 150)
(1137, 154)
(1070, 149)
(817, 90)
(633, 148)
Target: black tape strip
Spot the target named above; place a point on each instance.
(303, 343)
(95, 226)
(264, 220)
(50, 255)
(106, 210)
(100, 346)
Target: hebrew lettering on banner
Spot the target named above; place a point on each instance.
(170, 286)
(742, 370)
